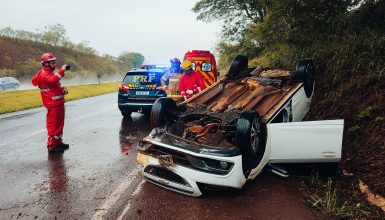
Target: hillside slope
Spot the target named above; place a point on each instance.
(360, 101)
(20, 58)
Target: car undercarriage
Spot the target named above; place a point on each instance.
(227, 133)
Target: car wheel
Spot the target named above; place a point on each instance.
(305, 71)
(159, 111)
(126, 113)
(251, 139)
(146, 112)
(1, 89)
(239, 63)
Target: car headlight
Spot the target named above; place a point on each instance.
(210, 165)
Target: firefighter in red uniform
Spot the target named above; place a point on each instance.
(191, 82)
(52, 95)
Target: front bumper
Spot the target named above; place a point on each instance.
(135, 106)
(169, 170)
(128, 101)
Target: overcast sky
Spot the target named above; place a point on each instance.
(158, 29)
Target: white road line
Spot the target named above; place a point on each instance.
(125, 210)
(138, 188)
(114, 197)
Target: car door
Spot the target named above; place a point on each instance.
(305, 142)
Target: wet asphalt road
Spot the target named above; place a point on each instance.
(98, 177)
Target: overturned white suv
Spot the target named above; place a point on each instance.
(243, 123)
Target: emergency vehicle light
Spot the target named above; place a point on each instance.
(198, 51)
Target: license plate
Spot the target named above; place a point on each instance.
(142, 92)
(166, 160)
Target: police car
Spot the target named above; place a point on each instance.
(244, 123)
(139, 90)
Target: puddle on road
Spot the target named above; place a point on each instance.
(132, 130)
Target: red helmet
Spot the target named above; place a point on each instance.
(47, 57)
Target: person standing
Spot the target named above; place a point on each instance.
(191, 82)
(173, 71)
(52, 95)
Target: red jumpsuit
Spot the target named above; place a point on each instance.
(52, 95)
(191, 84)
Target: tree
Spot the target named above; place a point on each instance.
(131, 59)
(54, 34)
(48, 38)
(110, 57)
(83, 46)
(8, 32)
(236, 14)
(281, 31)
(66, 43)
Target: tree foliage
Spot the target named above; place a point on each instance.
(345, 36)
(131, 59)
(54, 35)
(236, 14)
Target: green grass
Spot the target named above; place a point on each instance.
(326, 196)
(24, 99)
(327, 201)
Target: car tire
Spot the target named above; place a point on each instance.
(146, 113)
(251, 139)
(159, 111)
(126, 113)
(305, 72)
(1, 89)
(239, 63)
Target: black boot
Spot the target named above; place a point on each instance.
(62, 146)
(56, 150)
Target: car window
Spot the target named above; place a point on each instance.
(144, 78)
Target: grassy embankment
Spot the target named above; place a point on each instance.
(24, 99)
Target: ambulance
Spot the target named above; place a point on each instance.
(203, 62)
